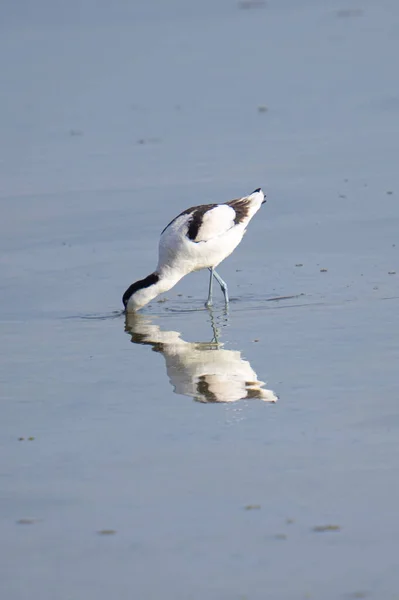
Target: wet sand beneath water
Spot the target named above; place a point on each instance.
(190, 454)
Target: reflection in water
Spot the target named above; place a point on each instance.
(202, 370)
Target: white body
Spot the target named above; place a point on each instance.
(220, 229)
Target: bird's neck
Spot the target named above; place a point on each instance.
(142, 292)
(166, 280)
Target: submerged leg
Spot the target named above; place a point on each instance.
(222, 284)
(209, 301)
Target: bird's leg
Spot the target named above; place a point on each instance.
(209, 301)
(222, 284)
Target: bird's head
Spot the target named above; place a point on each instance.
(140, 293)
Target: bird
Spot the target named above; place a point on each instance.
(200, 237)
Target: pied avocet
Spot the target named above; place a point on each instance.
(200, 237)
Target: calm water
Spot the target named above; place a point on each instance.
(129, 466)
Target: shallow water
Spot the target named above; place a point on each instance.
(129, 465)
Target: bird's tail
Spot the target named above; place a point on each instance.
(247, 206)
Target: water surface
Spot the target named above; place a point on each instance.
(135, 469)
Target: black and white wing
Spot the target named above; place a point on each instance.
(203, 223)
(208, 221)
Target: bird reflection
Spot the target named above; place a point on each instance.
(201, 370)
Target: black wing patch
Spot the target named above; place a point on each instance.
(197, 219)
(195, 222)
(241, 207)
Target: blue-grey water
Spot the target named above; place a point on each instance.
(129, 466)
